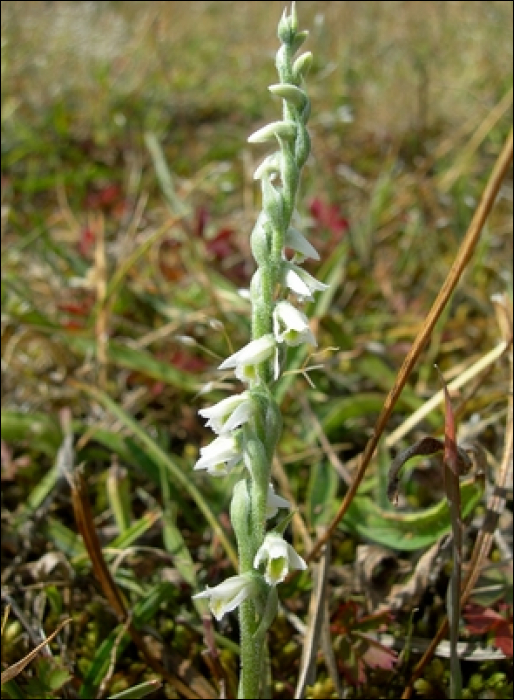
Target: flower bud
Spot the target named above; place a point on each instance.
(285, 129)
(302, 66)
(289, 92)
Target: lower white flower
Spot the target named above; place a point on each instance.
(228, 414)
(245, 360)
(291, 326)
(279, 556)
(220, 456)
(274, 502)
(229, 594)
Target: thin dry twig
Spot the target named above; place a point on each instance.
(318, 619)
(18, 667)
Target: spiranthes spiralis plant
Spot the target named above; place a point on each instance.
(248, 425)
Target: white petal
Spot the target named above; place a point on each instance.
(294, 559)
(252, 354)
(239, 416)
(274, 502)
(291, 325)
(219, 447)
(222, 408)
(277, 548)
(221, 413)
(297, 241)
(298, 280)
(219, 457)
(262, 554)
(228, 595)
(297, 285)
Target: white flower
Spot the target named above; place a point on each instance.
(297, 241)
(291, 326)
(228, 414)
(279, 556)
(229, 594)
(301, 283)
(220, 456)
(274, 502)
(245, 360)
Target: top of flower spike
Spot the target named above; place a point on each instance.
(288, 26)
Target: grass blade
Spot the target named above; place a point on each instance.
(177, 473)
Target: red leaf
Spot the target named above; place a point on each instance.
(503, 637)
(104, 198)
(329, 216)
(86, 241)
(189, 363)
(450, 441)
(481, 620)
(73, 325)
(221, 246)
(485, 620)
(76, 308)
(377, 655)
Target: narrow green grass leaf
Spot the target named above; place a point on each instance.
(37, 496)
(136, 530)
(176, 546)
(137, 691)
(178, 472)
(137, 360)
(65, 540)
(321, 494)
(164, 175)
(119, 493)
(347, 407)
(144, 611)
(13, 690)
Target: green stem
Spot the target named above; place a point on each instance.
(251, 653)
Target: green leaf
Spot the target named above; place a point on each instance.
(13, 690)
(176, 546)
(134, 532)
(138, 361)
(37, 496)
(39, 431)
(321, 494)
(165, 176)
(64, 539)
(144, 611)
(407, 531)
(343, 409)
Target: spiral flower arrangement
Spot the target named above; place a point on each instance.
(249, 424)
